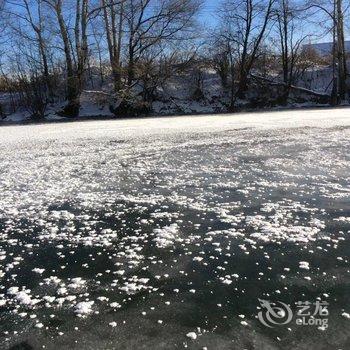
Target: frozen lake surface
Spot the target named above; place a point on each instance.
(165, 233)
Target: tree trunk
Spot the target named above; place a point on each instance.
(131, 63)
(118, 75)
(113, 39)
(341, 57)
(72, 109)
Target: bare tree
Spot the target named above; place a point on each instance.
(2, 6)
(113, 15)
(151, 22)
(246, 23)
(225, 59)
(340, 48)
(132, 46)
(221, 58)
(28, 36)
(81, 40)
(99, 37)
(30, 12)
(76, 61)
(290, 42)
(334, 12)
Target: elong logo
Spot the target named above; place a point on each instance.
(307, 314)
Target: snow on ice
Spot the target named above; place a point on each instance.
(172, 219)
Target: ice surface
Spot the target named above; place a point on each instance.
(161, 228)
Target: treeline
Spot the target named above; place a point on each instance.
(51, 50)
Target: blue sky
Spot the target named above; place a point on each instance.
(208, 12)
(209, 18)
